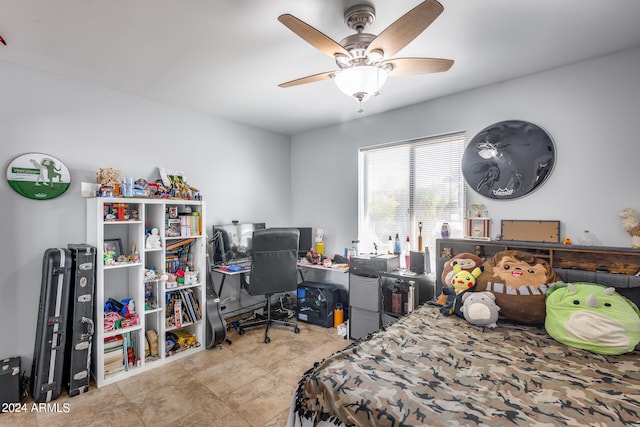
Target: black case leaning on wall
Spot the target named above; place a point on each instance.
(77, 364)
(49, 351)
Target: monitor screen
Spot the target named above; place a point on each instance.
(306, 240)
(233, 242)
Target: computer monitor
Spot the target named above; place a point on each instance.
(306, 240)
(233, 242)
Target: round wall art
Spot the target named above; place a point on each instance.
(508, 159)
(38, 176)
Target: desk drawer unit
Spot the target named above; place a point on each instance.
(362, 322)
(364, 292)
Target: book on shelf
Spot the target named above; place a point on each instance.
(188, 298)
(113, 341)
(114, 355)
(177, 311)
(195, 304)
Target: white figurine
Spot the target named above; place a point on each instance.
(153, 241)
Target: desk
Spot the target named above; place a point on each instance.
(319, 274)
(225, 273)
(343, 268)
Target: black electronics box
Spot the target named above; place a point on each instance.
(371, 265)
(10, 381)
(316, 302)
(417, 262)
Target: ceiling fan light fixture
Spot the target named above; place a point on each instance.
(361, 82)
(376, 55)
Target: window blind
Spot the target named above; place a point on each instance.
(403, 184)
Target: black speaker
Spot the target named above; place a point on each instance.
(416, 262)
(10, 381)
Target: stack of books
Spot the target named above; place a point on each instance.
(115, 356)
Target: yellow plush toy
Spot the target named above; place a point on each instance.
(461, 281)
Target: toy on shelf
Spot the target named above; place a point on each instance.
(172, 185)
(152, 339)
(153, 240)
(631, 224)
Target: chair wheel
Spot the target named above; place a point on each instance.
(296, 330)
(267, 340)
(240, 331)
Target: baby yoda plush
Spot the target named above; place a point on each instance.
(479, 308)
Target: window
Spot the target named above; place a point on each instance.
(403, 184)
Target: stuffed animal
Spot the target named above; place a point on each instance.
(464, 280)
(108, 176)
(631, 224)
(519, 281)
(479, 308)
(466, 260)
(461, 281)
(152, 338)
(592, 317)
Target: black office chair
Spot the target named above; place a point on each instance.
(273, 270)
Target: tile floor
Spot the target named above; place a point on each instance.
(245, 384)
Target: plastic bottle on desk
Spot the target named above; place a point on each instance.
(396, 246)
(444, 230)
(407, 254)
(390, 246)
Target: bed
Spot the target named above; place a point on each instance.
(436, 370)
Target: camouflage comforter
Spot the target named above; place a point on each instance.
(429, 369)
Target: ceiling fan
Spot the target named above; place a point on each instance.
(364, 60)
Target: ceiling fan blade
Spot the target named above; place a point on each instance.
(309, 79)
(406, 28)
(315, 38)
(412, 66)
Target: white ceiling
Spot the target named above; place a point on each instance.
(227, 57)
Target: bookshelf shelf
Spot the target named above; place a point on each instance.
(121, 331)
(120, 353)
(122, 265)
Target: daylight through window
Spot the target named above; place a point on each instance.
(403, 184)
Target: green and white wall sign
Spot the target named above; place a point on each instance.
(38, 176)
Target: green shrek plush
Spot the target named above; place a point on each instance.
(592, 317)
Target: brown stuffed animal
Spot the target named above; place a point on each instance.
(467, 261)
(519, 281)
(152, 337)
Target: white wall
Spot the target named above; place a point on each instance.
(88, 127)
(590, 109)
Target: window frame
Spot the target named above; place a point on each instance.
(457, 142)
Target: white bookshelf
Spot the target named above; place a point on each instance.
(124, 280)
